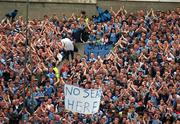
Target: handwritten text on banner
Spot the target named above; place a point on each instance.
(85, 101)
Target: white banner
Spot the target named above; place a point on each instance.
(85, 101)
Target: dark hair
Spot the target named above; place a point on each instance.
(83, 12)
(64, 35)
(53, 64)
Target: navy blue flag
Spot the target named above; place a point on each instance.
(12, 14)
(103, 16)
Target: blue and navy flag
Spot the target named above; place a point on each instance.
(103, 16)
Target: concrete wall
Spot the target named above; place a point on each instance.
(134, 6)
(37, 10)
(55, 1)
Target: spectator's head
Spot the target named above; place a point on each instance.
(15, 10)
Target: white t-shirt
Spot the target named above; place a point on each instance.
(68, 44)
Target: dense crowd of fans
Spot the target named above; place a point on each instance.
(140, 76)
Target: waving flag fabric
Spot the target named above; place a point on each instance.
(103, 16)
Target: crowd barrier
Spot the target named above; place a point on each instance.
(97, 49)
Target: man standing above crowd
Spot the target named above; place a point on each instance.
(68, 47)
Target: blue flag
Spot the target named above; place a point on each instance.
(103, 16)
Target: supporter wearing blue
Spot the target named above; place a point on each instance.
(113, 36)
(39, 95)
(92, 37)
(76, 32)
(99, 31)
(49, 89)
(92, 58)
(30, 103)
(51, 75)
